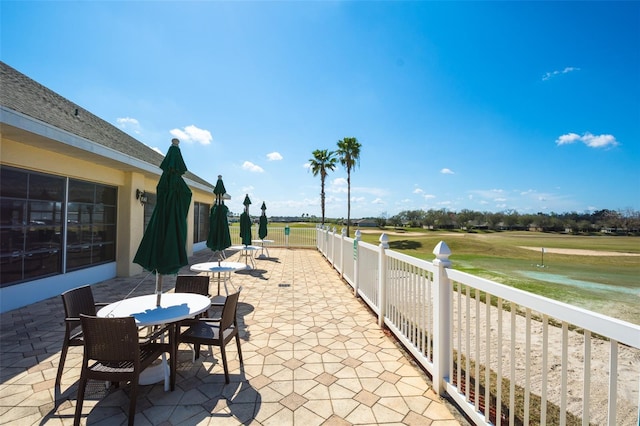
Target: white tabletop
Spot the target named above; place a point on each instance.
(218, 267)
(173, 307)
(247, 248)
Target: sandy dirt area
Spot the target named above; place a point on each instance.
(628, 364)
(580, 252)
(394, 233)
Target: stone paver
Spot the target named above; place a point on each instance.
(313, 355)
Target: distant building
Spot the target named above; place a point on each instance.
(72, 188)
(366, 223)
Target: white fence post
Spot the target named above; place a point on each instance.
(382, 277)
(442, 318)
(356, 278)
(333, 247)
(343, 232)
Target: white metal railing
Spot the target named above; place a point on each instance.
(281, 237)
(505, 356)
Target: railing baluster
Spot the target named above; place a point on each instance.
(527, 367)
(468, 344)
(586, 379)
(512, 379)
(613, 381)
(487, 357)
(543, 391)
(459, 337)
(477, 389)
(499, 372)
(563, 380)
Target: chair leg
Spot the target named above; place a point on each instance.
(133, 399)
(82, 384)
(63, 358)
(239, 350)
(224, 363)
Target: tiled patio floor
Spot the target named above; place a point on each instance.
(313, 355)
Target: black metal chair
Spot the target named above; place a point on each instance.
(76, 301)
(216, 332)
(113, 353)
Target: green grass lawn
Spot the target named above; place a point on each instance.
(605, 284)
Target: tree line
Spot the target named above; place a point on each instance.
(627, 221)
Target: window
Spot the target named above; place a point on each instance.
(33, 207)
(149, 206)
(91, 224)
(200, 221)
(31, 219)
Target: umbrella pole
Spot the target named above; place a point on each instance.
(158, 288)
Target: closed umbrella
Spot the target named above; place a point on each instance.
(219, 237)
(162, 249)
(245, 223)
(262, 227)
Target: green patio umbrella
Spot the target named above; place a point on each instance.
(162, 249)
(245, 223)
(262, 227)
(219, 237)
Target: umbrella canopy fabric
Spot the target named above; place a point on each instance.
(162, 248)
(219, 237)
(245, 223)
(262, 227)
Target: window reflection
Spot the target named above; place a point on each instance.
(32, 212)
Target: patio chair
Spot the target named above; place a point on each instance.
(216, 332)
(76, 301)
(113, 353)
(198, 284)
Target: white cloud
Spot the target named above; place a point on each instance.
(428, 196)
(274, 156)
(551, 74)
(193, 134)
(129, 124)
(567, 139)
(306, 166)
(590, 140)
(418, 191)
(446, 171)
(378, 201)
(248, 165)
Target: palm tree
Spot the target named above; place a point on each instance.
(322, 161)
(349, 156)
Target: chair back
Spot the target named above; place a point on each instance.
(78, 301)
(110, 339)
(198, 284)
(229, 311)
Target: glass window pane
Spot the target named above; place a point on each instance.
(82, 192)
(42, 263)
(46, 187)
(12, 212)
(14, 183)
(106, 195)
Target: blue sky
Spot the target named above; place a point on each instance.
(489, 106)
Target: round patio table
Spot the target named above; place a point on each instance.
(174, 307)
